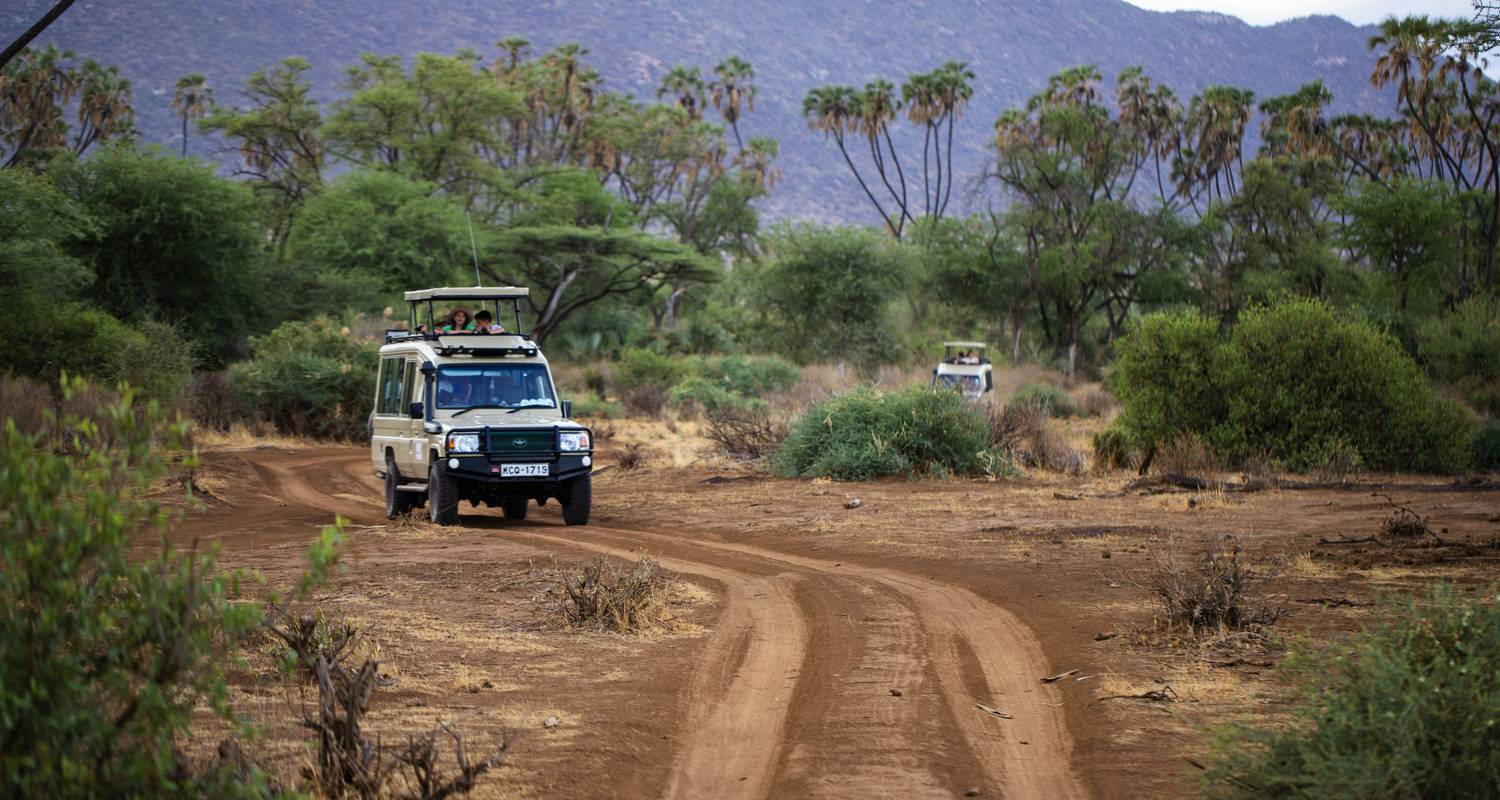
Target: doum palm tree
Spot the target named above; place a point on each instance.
(191, 100)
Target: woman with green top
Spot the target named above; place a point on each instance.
(458, 322)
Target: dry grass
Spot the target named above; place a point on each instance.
(745, 433)
(1187, 455)
(599, 595)
(1217, 593)
(1026, 431)
(632, 457)
(239, 437)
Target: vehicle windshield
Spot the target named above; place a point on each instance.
(494, 386)
(967, 383)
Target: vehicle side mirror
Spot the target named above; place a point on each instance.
(415, 410)
(567, 409)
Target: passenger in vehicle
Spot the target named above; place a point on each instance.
(485, 323)
(459, 322)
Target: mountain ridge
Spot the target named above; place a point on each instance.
(1013, 46)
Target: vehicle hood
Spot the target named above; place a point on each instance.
(499, 418)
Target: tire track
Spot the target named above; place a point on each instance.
(740, 698)
(766, 716)
(1029, 755)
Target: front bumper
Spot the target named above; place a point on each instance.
(485, 467)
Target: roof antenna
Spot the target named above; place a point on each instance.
(474, 249)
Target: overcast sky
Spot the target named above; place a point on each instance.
(1360, 12)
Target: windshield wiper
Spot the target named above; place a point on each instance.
(471, 408)
(530, 405)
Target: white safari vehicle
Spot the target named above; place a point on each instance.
(965, 368)
(474, 416)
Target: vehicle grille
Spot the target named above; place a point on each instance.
(514, 442)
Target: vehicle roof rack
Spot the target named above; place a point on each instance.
(469, 293)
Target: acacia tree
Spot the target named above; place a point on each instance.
(1070, 164)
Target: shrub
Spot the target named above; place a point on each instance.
(1404, 710)
(646, 400)
(1111, 450)
(594, 407)
(1487, 447)
(1215, 593)
(109, 646)
(308, 379)
(1024, 431)
(640, 367)
(1293, 381)
(601, 595)
(1096, 404)
(753, 376)
(747, 433)
(1463, 349)
(866, 434)
(1057, 402)
(700, 394)
(24, 402)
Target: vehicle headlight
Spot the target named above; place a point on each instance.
(463, 442)
(573, 440)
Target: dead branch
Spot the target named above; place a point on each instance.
(1059, 676)
(994, 712)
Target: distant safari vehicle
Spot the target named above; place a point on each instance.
(471, 415)
(966, 368)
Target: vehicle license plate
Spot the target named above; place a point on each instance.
(524, 470)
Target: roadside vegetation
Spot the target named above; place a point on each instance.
(1405, 709)
(1327, 304)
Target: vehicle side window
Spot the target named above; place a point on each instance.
(408, 387)
(390, 386)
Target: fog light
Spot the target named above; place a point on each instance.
(587, 461)
(452, 463)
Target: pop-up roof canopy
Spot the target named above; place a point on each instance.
(469, 293)
(474, 294)
(970, 345)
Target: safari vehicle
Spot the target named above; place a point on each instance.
(971, 374)
(474, 416)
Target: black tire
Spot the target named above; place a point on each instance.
(515, 508)
(396, 503)
(578, 500)
(442, 495)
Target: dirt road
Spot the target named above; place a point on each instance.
(819, 677)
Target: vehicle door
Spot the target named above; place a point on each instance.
(391, 427)
(413, 460)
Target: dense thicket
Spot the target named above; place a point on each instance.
(1294, 380)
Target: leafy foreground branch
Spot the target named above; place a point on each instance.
(106, 656)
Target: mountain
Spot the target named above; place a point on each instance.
(1012, 45)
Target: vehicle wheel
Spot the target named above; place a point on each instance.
(396, 501)
(575, 506)
(515, 508)
(442, 496)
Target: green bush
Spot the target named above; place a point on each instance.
(1487, 447)
(1409, 710)
(1463, 349)
(592, 406)
(699, 393)
(866, 434)
(753, 376)
(1294, 381)
(1057, 402)
(308, 379)
(639, 367)
(110, 645)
